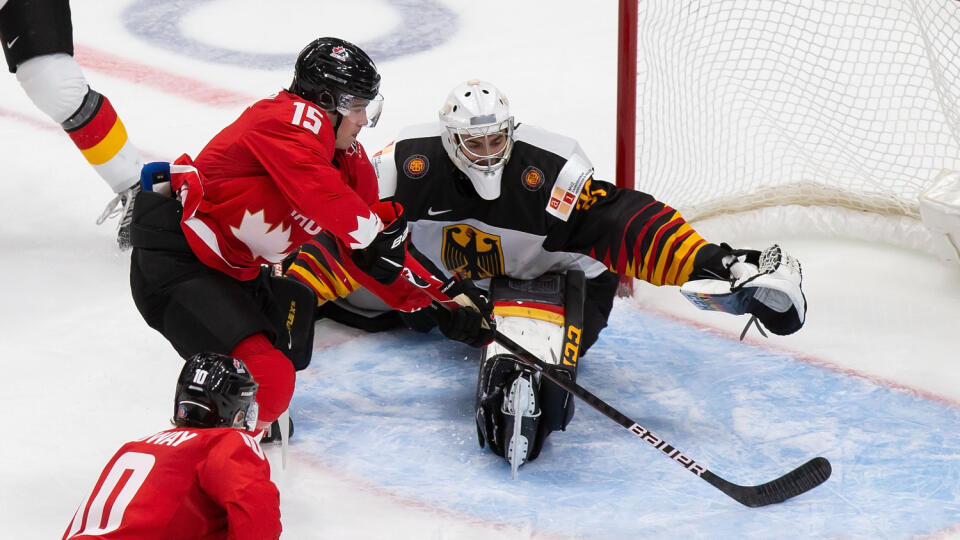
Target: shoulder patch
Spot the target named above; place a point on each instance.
(416, 166)
(253, 444)
(532, 178)
(567, 188)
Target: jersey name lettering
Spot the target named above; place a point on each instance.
(170, 438)
(308, 224)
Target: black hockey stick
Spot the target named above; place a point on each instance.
(800, 480)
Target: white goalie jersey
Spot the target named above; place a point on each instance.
(460, 232)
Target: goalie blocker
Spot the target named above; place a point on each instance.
(515, 409)
(766, 284)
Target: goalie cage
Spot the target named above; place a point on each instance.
(827, 118)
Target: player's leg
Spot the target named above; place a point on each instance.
(199, 309)
(600, 292)
(37, 40)
(515, 409)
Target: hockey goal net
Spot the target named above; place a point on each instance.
(838, 113)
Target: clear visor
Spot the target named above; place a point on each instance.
(360, 111)
(485, 147)
(253, 413)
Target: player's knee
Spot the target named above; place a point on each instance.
(273, 372)
(55, 84)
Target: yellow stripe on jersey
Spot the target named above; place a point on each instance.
(682, 265)
(327, 286)
(668, 246)
(668, 257)
(109, 146)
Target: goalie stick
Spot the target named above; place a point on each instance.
(800, 480)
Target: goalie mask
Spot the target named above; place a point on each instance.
(215, 391)
(478, 134)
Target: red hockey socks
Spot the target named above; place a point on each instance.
(273, 372)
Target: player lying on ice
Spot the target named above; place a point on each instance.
(516, 209)
(205, 478)
(206, 230)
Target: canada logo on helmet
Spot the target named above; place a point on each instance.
(339, 52)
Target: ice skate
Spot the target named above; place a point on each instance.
(122, 206)
(521, 415)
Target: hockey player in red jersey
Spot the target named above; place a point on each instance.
(288, 168)
(37, 39)
(206, 478)
(487, 198)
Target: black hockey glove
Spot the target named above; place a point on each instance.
(383, 258)
(472, 324)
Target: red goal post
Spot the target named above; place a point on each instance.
(794, 117)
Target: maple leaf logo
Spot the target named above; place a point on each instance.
(264, 240)
(367, 229)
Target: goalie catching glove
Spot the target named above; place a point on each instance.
(765, 284)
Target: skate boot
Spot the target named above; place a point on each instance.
(521, 416)
(273, 432)
(122, 206)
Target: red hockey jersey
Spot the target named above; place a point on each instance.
(269, 182)
(183, 483)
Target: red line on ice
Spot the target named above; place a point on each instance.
(158, 79)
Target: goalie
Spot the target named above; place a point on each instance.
(517, 210)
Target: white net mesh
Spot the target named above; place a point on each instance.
(754, 104)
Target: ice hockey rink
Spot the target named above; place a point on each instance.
(385, 444)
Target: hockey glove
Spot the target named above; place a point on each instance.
(766, 284)
(471, 324)
(383, 258)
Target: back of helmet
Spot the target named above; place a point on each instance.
(214, 390)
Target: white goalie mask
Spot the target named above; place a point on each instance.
(478, 134)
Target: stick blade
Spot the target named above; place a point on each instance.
(800, 480)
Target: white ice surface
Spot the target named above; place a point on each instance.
(83, 373)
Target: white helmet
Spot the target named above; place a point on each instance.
(473, 112)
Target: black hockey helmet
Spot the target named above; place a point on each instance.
(215, 391)
(328, 69)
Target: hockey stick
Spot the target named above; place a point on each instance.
(800, 480)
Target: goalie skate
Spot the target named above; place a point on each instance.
(520, 405)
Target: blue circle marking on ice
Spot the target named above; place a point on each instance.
(396, 409)
(424, 24)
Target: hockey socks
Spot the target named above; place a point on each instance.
(101, 137)
(272, 371)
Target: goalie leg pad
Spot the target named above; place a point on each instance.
(544, 317)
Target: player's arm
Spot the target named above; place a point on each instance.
(325, 265)
(632, 233)
(636, 235)
(236, 475)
